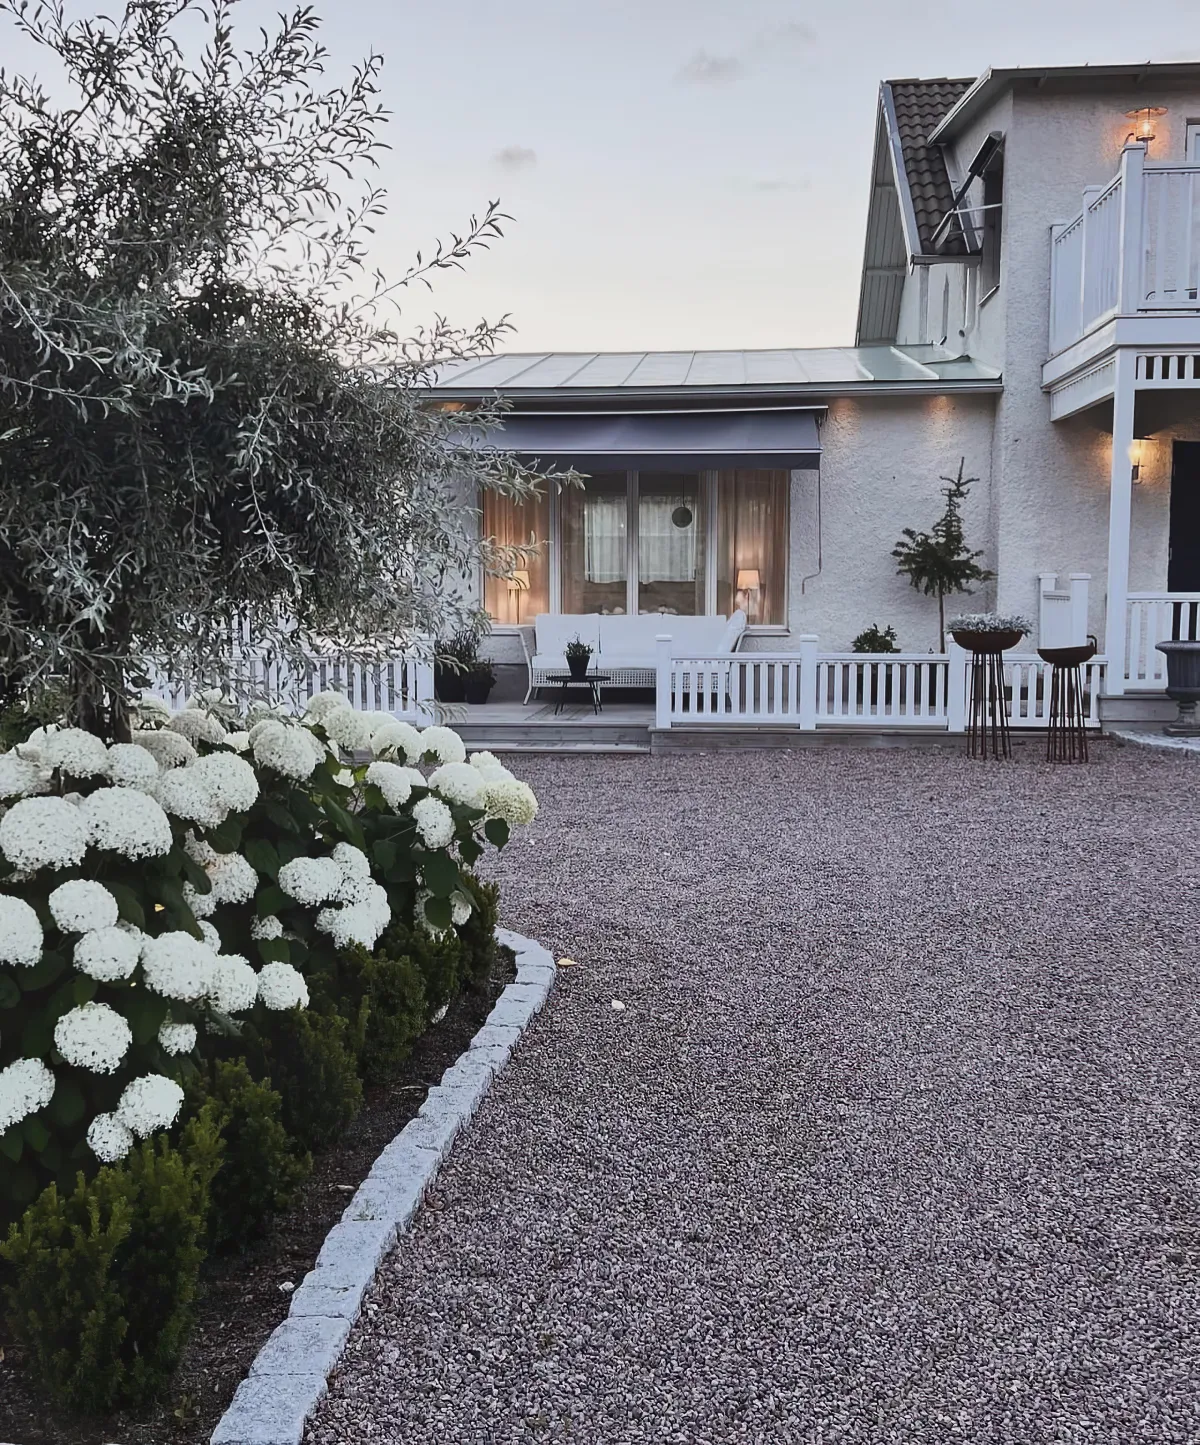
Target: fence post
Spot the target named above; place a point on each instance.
(956, 688)
(1078, 584)
(1131, 284)
(662, 681)
(420, 687)
(807, 685)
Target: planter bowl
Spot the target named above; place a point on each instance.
(1068, 656)
(988, 641)
(578, 666)
(1183, 685)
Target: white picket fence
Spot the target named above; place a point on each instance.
(1154, 617)
(809, 689)
(401, 685)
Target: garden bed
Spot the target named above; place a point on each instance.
(242, 1300)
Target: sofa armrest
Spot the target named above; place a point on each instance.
(526, 636)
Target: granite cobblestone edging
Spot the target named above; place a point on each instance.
(288, 1377)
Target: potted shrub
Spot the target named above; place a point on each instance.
(455, 657)
(875, 640)
(989, 631)
(478, 681)
(579, 657)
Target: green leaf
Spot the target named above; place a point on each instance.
(44, 972)
(282, 818)
(270, 900)
(37, 1036)
(346, 825)
(10, 994)
(170, 893)
(496, 831)
(84, 990)
(260, 854)
(384, 854)
(128, 905)
(67, 1105)
(439, 912)
(12, 1143)
(403, 870)
(196, 875)
(288, 848)
(274, 950)
(470, 850)
(440, 872)
(37, 1136)
(145, 1013)
(227, 837)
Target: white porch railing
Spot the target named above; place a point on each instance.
(1153, 617)
(401, 685)
(809, 689)
(1133, 248)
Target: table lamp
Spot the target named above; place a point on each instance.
(518, 582)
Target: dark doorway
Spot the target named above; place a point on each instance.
(1183, 567)
(1183, 561)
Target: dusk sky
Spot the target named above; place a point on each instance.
(680, 173)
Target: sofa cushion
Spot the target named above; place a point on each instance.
(733, 631)
(552, 632)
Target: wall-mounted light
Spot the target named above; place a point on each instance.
(1137, 453)
(1144, 119)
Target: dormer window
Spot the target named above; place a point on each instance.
(991, 225)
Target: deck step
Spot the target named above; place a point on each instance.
(1135, 707)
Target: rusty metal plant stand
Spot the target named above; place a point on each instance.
(987, 718)
(1066, 732)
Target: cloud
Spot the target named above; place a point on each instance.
(706, 69)
(516, 158)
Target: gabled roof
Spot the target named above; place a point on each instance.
(628, 376)
(917, 107)
(1172, 75)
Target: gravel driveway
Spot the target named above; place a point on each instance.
(896, 1139)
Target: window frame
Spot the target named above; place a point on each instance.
(709, 483)
(991, 227)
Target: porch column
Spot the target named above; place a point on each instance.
(1119, 501)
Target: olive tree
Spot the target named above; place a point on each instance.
(212, 422)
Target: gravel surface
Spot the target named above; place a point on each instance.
(895, 1140)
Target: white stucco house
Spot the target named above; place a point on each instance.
(1030, 302)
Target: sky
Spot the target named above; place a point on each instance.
(679, 173)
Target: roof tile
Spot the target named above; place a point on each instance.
(920, 105)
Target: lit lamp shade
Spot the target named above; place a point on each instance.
(748, 585)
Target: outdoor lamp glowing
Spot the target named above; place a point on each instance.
(517, 583)
(1144, 118)
(1136, 453)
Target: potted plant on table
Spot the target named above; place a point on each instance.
(579, 657)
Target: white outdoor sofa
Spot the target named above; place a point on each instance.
(623, 647)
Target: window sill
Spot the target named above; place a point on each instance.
(767, 629)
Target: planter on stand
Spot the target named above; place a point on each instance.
(1066, 735)
(987, 707)
(578, 666)
(1183, 685)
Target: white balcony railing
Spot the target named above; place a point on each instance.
(1133, 249)
(1154, 617)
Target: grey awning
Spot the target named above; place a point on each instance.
(679, 441)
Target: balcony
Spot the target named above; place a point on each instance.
(1132, 251)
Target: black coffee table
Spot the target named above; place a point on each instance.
(565, 680)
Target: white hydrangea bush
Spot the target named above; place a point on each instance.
(201, 875)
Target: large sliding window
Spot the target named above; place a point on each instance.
(521, 596)
(676, 543)
(595, 545)
(752, 544)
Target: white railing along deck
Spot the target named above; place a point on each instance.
(401, 685)
(809, 689)
(1133, 248)
(1154, 617)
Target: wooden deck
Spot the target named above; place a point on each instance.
(533, 727)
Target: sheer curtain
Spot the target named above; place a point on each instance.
(595, 558)
(671, 543)
(752, 543)
(518, 524)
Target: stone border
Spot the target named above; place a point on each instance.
(288, 1377)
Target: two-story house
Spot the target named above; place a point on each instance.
(1029, 302)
